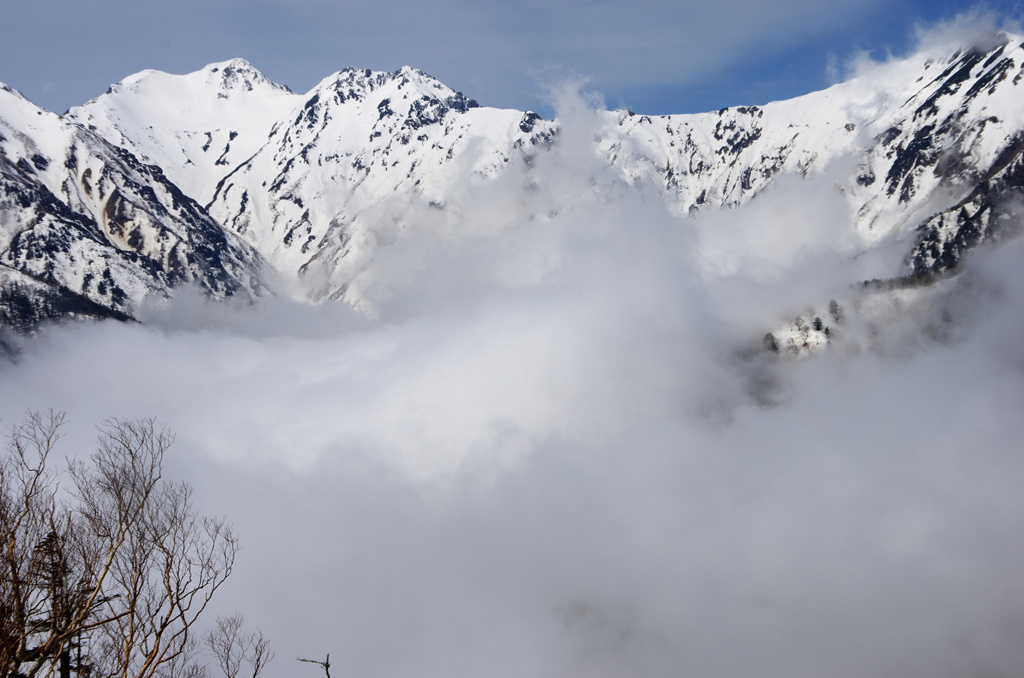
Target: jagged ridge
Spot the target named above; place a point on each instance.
(128, 196)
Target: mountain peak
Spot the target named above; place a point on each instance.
(356, 84)
(193, 125)
(237, 63)
(10, 90)
(304, 178)
(234, 75)
(409, 72)
(237, 74)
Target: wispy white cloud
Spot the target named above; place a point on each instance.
(546, 452)
(977, 27)
(486, 49)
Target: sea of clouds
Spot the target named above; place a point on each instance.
(547, 441)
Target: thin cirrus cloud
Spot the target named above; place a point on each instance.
(648, 55)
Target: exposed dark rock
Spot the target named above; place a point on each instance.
(528, 121)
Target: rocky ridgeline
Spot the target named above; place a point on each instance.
(249, 181)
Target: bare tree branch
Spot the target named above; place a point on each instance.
(123, 562)
(231, 646)
(325, 664)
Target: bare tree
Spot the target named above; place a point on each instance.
(123, 562)
(231, 647)
(44, 602)
(260, 653)
(226, 644)
(186, 664)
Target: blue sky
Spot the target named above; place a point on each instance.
(651, 56)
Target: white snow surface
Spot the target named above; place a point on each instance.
(81, 213)
(195, 126)
(318, 183)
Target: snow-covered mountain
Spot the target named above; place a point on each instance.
(359, 144)
(930, 135)
(223, 180)
(196, 127)
(85, 227)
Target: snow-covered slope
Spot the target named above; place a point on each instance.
(201, 177)
(361, 154)
(923, 132)
(363, 148)
(196, 127)
(88, 220)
